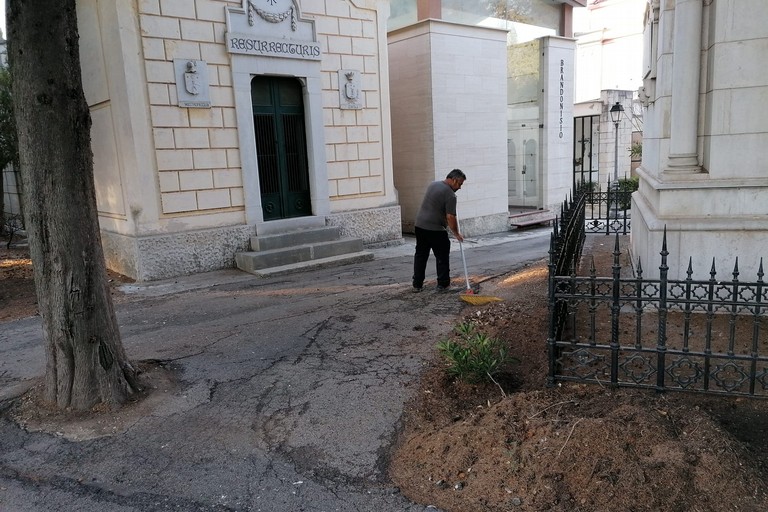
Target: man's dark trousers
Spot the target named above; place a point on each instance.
(439, 243)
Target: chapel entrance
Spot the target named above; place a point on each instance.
(281, 147)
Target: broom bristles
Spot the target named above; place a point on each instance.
(478, 300)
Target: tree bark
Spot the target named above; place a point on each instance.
(86, 363)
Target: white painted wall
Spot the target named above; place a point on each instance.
(469, 102)
(413, 130)
(557, 116)
(448, 88)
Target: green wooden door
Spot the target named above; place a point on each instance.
(281, 147)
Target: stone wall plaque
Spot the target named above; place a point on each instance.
(350, 93)
(192, 85)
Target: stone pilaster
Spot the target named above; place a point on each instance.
(683, 150)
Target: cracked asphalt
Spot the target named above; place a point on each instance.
(289, 397)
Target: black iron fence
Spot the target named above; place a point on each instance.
(706, 335)
(607, 208)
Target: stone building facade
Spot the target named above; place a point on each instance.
(703, 176)
(489, 91)
(216, 120)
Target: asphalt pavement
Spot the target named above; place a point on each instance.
(281, 394)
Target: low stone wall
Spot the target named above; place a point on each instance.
(378, 227)
(151, 258)
(164, 256)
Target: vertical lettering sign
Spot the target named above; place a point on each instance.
(562, 91)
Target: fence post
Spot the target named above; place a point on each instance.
(592, 302)
(756, 329)
(710, 318)
(687, 309)
(734, 308)
(615, 307)
(639, 305)
(661, 347)
(551, 352)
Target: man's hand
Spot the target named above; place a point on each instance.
(454, 225)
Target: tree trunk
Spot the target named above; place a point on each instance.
(86, 364)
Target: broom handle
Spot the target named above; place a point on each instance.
(464, 263)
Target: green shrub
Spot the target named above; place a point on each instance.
(473, 356)
(587, 186)
(626, 187)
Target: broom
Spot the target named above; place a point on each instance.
(469, 295)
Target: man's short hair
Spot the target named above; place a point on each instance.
(456, 174)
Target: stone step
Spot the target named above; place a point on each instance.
(532, 218)
(294, 238)
(259, 260)
(331, 261)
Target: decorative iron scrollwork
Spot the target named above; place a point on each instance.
(685, 372)
(730, 376)
(638, 368)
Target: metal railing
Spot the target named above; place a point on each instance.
(565, 246)
(708, 336)
(607, 209)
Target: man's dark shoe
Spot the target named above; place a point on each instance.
(416, 289)
(443, 289)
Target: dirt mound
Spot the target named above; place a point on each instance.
(17, 285)
(519, 445)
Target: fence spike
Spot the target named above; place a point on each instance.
(664, 252)
(760, 272)
(690, 268)
(712, 271)
(639, 268)
(736, 270)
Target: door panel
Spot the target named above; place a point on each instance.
(531, 171)
(278, 118)
(585, 137)
(522, 165)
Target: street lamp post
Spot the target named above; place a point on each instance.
(616, 111)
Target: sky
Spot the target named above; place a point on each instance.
(2, 19)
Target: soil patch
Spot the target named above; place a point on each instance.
(17, 285)
(519, 445)
(32, 413)
(18, 300)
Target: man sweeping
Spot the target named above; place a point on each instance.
(438, 211)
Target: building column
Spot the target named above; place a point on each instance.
(686, 71)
